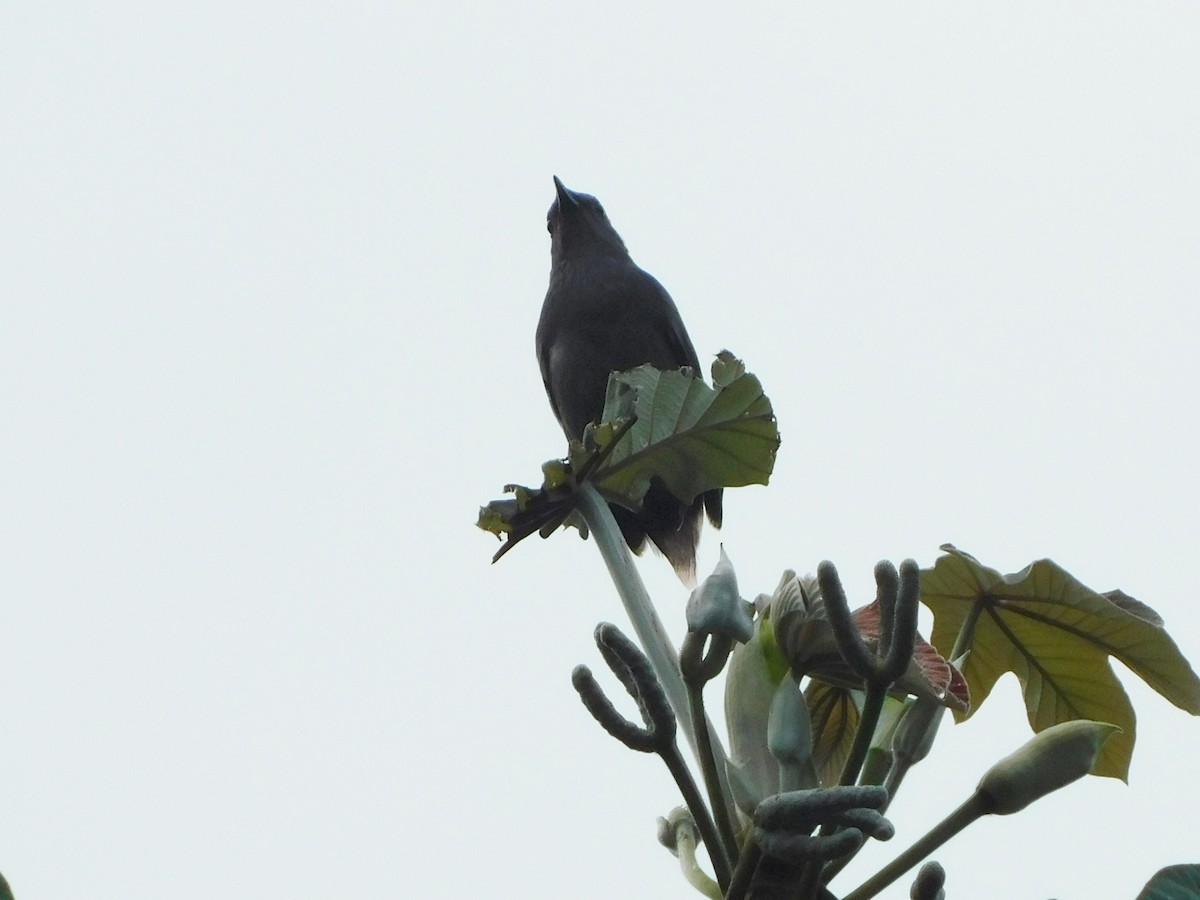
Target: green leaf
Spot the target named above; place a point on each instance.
(1056, 635)
(834, 713)
(753, 674)
(666, 425)
(693, 437)
(1173, 883)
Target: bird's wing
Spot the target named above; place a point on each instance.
(670, 326)
(545, 340)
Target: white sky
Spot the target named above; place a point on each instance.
(270, 277)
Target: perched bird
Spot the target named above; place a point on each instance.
(603, 314)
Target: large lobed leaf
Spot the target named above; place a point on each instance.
(1056, 635)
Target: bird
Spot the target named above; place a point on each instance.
(604, 314)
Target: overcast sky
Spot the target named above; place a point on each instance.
(270, 277)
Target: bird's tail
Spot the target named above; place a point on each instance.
(672, 526)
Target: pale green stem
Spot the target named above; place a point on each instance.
(685, 847)
(646, 623)
(971, 810)
(649, 629)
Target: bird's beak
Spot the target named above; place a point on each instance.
(566, 197)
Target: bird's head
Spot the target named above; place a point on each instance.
(579, 227)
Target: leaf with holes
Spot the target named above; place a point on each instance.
(667, 425)
(691, 436)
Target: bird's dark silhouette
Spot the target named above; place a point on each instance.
(603, 314)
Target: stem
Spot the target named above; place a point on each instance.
(744, 873)
(876, 767)
(966, 634)
(808, 881)
(685, 847)
(971, 810)
(695, 804)
(649, 629)
(646, 623)
(712, 778)
(868, 721)
(899, 769)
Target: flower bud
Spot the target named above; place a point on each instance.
(717, 608)
(1052, 759)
